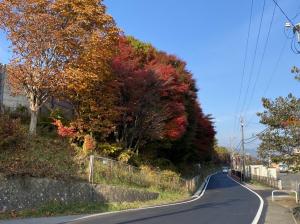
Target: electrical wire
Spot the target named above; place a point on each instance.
(294, 46)
(273, 74)
(286, 16)
(254, 138)
(244, 63)
(254, 57)
(262, 59)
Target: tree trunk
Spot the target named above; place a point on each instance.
(33, 122)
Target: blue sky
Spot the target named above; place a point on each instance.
(211, 37)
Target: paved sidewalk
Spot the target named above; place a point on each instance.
(277, 212)
(46, 220)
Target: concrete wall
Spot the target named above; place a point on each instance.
(260, 170)
(6, 98)
(27, 193)
(290, 181)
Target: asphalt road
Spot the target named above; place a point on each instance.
(224, 201)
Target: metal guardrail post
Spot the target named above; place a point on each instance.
(298, 190)
(285, 191)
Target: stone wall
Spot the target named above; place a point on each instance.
(18, 193)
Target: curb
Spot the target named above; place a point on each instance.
(293, 215)
(203, 185)
(195, 197)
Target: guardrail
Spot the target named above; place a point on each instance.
(284, 196)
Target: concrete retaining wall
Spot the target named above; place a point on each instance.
(6, 98)
(26, 193)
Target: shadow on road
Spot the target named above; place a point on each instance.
(196, 207)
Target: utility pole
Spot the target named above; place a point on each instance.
(231, 152)
(243, 150)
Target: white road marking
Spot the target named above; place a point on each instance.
(195, 198)
(261, 206)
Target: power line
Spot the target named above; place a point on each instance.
(244, 63)
(273, 74)
(284, 13)
(236, 148)
(294, 44)
(262, 59)
(254, 57)
(252, 139)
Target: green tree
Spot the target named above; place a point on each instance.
(222, 155)
(296, 71)
(281, 137)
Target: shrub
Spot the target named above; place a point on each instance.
(107, 149)
(170, 180)
(89, 144)
(64, 131)
(12, 134)
(20, 112)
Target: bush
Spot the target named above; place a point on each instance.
(12, 134)
(164, 164)
(116, 173)
(20, 112)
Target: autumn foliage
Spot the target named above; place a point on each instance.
(124, 93)
(148, 107)
(57, 46)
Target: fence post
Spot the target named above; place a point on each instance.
(91, 169)
(279, 185)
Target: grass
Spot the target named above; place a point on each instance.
(40, 157)
(49, 156)
(57, 209)
(257, 183)
(145, 178)
(254, 182)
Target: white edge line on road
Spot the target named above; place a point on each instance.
(261, 206)
(195, 198)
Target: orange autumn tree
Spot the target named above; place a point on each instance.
(57, 45)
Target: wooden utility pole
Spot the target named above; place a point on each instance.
(243, 151)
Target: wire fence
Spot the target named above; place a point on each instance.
(104, 170)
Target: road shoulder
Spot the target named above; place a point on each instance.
(66, 219)
(274, 212)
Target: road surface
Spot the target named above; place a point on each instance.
(224, 201)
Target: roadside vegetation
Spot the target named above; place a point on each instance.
(280, 138)
(55, 209)
(49, 155)
(123, 99)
